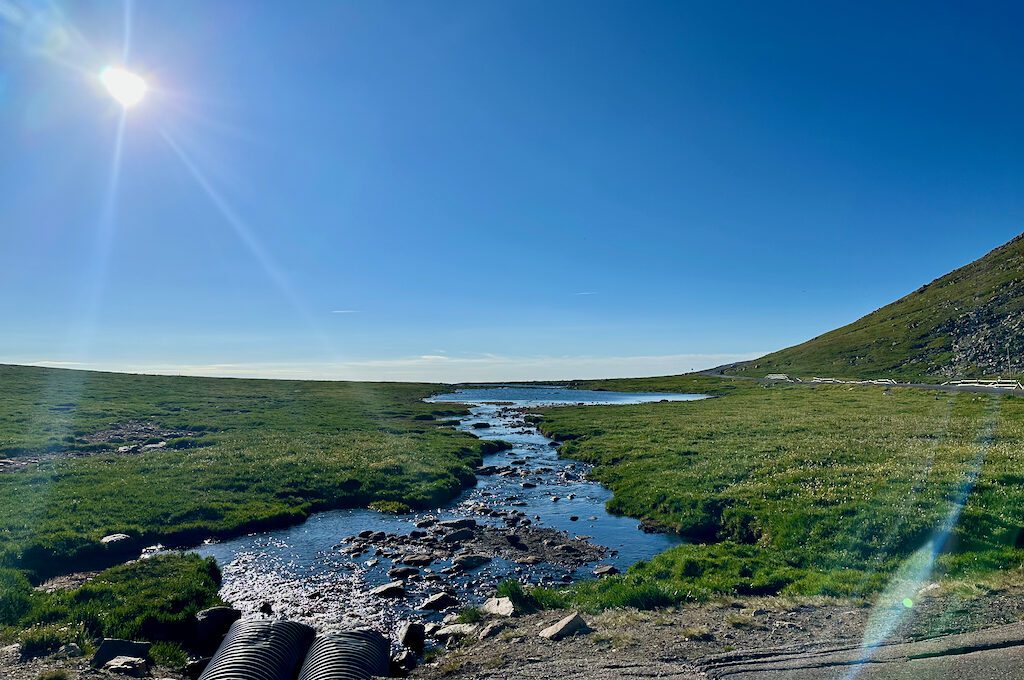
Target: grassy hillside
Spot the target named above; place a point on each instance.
(239, 455)
(802, 489)
(960, 325)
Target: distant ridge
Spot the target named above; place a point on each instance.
(965, 324)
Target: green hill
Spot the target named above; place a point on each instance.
(966, 324)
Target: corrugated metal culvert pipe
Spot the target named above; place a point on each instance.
(260, 650)
(350, 655)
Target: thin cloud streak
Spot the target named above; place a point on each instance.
(439, 368)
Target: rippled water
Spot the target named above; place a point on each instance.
(302, 572)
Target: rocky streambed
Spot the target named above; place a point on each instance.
(532, 517)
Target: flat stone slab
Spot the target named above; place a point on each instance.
(992, 654)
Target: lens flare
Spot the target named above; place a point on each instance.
(124, 86)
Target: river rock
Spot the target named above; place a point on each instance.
(605, 570)
(499, 606)
(411, 635)
(471, 561)
(399, 573)
(570, 625)
(110, 648)
(458, 536)
(132, 666)
(416, 560)
(461, 523)
(439, 602)
(393, 589)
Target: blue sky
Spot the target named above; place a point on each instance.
(490, 190)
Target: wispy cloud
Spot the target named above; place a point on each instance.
(440, 368)
(586, 292)
(344, 311)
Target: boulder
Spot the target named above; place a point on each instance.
(605, 570)
(455, 630)
(416, 560)
(471, 561)
(393, 589)
(439, 601)
(499, 606)
(110, 648)
(570, 625)
(412, 635)
(458, 535)
(131, 666)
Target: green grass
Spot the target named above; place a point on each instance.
(152, 599)
(916, 337)
(799, 489)
(267, 453)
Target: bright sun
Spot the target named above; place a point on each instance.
(124, 86)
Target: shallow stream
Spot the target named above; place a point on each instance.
(319, 573)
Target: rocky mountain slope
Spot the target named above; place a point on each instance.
(965, 324)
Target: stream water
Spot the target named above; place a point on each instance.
(318, 573)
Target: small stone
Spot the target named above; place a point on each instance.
(472, 561)
(439, 601)
(132, 666)
(605, 570)
(570, 625)
(499, 606)
(399, 573)
(393, 589)
(69, 651)
(111, 648)
(458, 535)
(461, 523)
(492, 629)
(455, 630)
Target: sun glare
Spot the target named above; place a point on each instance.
(124, 86)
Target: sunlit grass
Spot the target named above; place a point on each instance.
(266, 453)
(801, 490)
